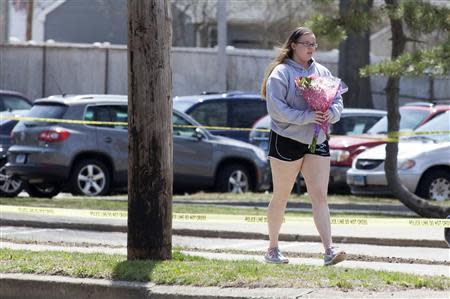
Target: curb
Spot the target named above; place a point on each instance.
(231, 234)
(55, 287)
(32, 286)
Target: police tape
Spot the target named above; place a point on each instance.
(391, 137)
(225, 218)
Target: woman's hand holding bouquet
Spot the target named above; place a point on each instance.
(319, 93)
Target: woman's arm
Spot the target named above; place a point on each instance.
(336, 109)
(277, 106)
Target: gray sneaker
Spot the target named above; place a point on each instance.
(332, 256)
(274, 256)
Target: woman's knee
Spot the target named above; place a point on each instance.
(280, 198)
(318, 195)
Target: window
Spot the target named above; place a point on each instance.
(14, 103)
(47, 111)
(211, 113)
(245, 113)
(120, 114)
(108, 113)
(180, 131)
(353, 125)
(409, 120)
(182, 105)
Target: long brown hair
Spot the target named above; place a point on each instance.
(284, 52)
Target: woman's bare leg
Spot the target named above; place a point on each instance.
(283, 176)
(316, 172)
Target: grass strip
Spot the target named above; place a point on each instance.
(197, 271)
(95, 204)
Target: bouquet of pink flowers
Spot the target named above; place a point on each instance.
(319, 93)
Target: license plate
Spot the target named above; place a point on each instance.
(21, 158)
(359, 180)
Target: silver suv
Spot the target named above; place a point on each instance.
(93, 159)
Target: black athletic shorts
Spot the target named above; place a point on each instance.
(287, 149)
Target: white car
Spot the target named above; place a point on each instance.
(423, 163)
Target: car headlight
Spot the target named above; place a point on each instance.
(406, 164)
(339, 155)
(260, 153)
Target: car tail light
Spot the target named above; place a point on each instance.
(55, 135)
(339, 155)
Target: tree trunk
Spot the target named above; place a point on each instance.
(353, 55)
(30, 9)
(150, 172)
(410, 200)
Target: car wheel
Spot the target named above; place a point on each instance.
(42, 190)
(435, 185)
(9, 186)
(233, 178)
(90, 178)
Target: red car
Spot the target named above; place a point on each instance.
(344, 149)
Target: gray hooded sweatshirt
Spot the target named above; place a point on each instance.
(290, 114)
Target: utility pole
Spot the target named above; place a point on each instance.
(150, 170)
(222, 61)
(4, 13)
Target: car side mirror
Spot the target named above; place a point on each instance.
(198, 134)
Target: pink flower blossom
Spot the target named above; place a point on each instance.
(319, 93)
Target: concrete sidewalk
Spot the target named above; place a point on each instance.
(305, 231)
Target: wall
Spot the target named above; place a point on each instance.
(38, 70)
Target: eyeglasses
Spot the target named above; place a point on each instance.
(308, 45)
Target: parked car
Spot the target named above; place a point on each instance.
(353, 121)
(231, 110)
(12, 104)
(344, 149)
(423, 163)
(92, 160)
(12, 100)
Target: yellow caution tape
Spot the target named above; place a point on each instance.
(392, 136)
(65, 121)
(223, 218)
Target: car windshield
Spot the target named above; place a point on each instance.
(437, 128)
(182, 105)
(409, 120)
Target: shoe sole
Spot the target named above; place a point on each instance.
(272, 262)
(337, 259)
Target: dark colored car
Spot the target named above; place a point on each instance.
(93, 159)
(344, 149)
(230, 110)
(12, 100)
(12, 104)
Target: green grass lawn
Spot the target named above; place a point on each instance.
(196, 271)
(332, 198)
(104, 204)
